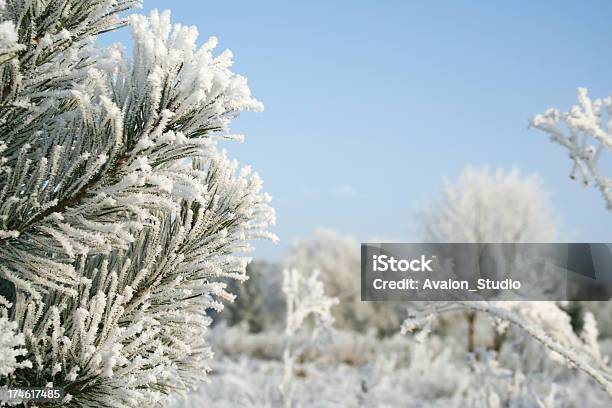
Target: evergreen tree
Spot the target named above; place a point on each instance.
(120, 219)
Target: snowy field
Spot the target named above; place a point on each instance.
(356, 370)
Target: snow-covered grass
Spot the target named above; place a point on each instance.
(362, 370)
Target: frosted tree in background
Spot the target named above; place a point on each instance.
(119, 216)
(485, 207)
(508, 208)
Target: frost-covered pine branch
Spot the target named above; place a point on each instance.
(586, 132)
(119, 216)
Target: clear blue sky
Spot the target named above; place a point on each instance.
(370, 105)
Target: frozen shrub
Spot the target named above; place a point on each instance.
(544, 322)
(338, 259)
(308, 308)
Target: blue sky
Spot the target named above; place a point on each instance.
(371, 105)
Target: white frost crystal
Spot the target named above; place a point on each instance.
(11, 348)
(8, 35)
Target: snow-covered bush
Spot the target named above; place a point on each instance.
(603, 314)
(544, 322)
(338, 258)
(307, 305)
(119, 217)
(346, 347)
(308, 324)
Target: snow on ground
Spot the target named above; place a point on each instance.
(360, 370)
